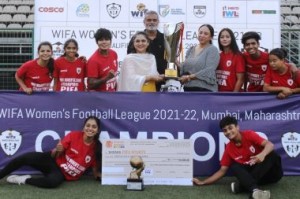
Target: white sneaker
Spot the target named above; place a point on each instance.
(15, 179)
(261, 194)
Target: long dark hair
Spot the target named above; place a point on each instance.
(98, 145)
(50, 64)
(233, 45)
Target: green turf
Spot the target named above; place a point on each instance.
(87, 188)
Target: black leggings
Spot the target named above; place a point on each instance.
(268, 171)
(43, 162)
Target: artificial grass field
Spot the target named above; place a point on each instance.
(87, 188)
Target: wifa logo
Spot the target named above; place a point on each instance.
(10, 141)
(140, 12)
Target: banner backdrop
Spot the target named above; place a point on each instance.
(58, 20)
(36, 122)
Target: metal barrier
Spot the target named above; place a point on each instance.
(16, 47)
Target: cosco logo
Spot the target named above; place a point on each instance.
(51, 9)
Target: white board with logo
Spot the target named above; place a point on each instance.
(58, 20)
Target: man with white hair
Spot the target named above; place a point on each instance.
(157, 48)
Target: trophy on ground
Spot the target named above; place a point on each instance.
(173, 45)
(135, 182)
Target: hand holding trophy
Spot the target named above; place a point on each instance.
(135, 182)
(173, 45)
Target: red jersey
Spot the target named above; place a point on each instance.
(77, 156)
(35, 76)
(273, 78)
(98, 66)
(251, 145)
(70, 75)
(256, 70)
(230, 64)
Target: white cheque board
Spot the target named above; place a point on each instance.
(167, 162)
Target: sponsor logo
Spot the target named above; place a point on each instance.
(291, 143)
(272, 12)
(139, 13)
(83, 10)
(51, 9)
(199, 11)
(58, 49)
(10, 141)
(113, 10)
(230, 12)
(164, 10)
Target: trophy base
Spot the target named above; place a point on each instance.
(171, 74)
(135, 184)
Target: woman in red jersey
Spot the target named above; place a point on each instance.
(71, 157)
(36, 75)
(102, 66)
(281, 78)
(69, 70)
(231, 70)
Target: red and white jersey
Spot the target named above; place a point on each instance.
(230, 64)
(70, 75)
(250, 146)
(35, 76)
(98, 66)
(273, 78)
(256, 70)
(77, 156)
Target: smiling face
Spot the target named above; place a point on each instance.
(71, 50)
(90, 128)
(251, 46)
(231, 131)
(45, 52)
(104, 44)
(204, 35)
(140, 43)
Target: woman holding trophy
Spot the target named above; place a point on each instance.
(138, 71)
(198, 71)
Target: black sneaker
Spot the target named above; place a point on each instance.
(235, 187)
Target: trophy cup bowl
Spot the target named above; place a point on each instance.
(135, 182)
(173, 41)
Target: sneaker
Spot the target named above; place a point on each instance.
(261, 194)
(235, 187)
(15, 179)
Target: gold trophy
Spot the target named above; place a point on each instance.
(135, 182)
(173, 43)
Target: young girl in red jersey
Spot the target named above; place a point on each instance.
(281, 78)
(69, 70)
(231, 70)
(36, 75)
(75, 153)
